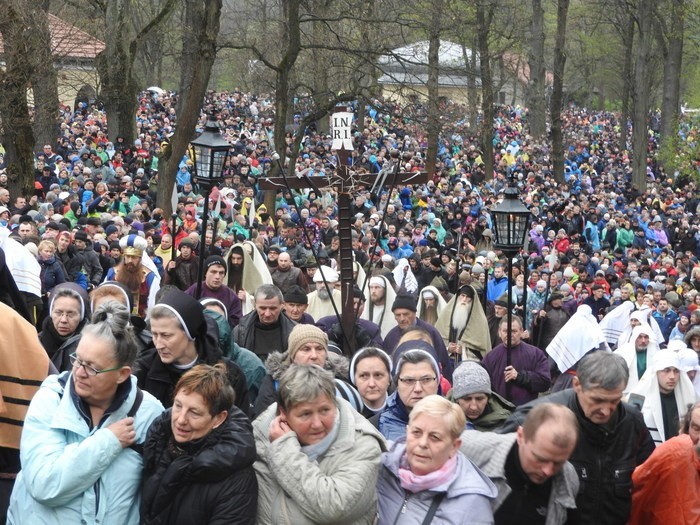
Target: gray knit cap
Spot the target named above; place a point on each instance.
(469, 378)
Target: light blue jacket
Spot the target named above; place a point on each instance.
(71, 474)
(467, 500)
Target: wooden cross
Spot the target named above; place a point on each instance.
(345, 181)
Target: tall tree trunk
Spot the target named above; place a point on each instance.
(672, 73)
(484, 15)
(641, 95)
(433, 126)
(558, 91)
(472, 92)
(283, 72)
(536, 83)
(17, 135)
(628, 43)
(198, 55)
(44, 79)
(118, 91)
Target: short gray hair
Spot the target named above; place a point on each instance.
(304, 383)
(604, 370)
(268, 291)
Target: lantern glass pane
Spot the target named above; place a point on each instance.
(219, 159)
(203, 161)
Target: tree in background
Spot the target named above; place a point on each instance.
(556, 103)
(199, 47)
(17, 135)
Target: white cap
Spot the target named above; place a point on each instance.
(665, 359)
(325, 271)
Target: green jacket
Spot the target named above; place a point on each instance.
(252, 366)
(625, 238)
(497, 411)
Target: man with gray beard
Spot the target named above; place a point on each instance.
(321, 301)
(463, 326)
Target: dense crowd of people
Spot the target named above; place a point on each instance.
(155, 373)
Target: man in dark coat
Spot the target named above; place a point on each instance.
(183, 272)
(267, 328)
(613, 439)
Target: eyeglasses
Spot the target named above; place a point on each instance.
(411, 381)
(76, 362)
(68, 315)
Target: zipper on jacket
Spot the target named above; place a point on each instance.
(97, 497)
(402, 511)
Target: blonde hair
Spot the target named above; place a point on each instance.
(438, 406)
(47, 243)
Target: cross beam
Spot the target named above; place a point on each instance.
(344, 181)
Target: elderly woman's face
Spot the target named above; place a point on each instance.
(429, 444)
(95, 354)
(311, 354)
(191, 418)
(372, 379)
(313, 420)
(171, 341)
(65, 315)
(416, 381)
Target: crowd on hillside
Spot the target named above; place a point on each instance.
(159, 374)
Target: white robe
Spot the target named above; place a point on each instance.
(651, 409)
(388, 321)
(319, 308)
(577, 337)
(629, 352)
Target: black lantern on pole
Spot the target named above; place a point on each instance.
(510, 225)
(210, 151)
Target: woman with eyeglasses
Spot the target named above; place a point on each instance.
(69, 311)
(416, 375)
(81, 444)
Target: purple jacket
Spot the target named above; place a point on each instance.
(533, 372)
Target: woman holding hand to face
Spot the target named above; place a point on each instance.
(317, 457)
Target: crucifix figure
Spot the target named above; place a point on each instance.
(346, 181)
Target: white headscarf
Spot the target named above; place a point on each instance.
(616, 321)
(576, 338)
(410, 283)
(648, 387)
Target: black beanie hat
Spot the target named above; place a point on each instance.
(296, 295)
(407, 301)
(214, 260)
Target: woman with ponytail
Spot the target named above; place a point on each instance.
(81, 445)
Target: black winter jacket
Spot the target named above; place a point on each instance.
(244, 334)
(604, 459)
(211, 480)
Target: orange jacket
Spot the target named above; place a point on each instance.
(667, 486)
